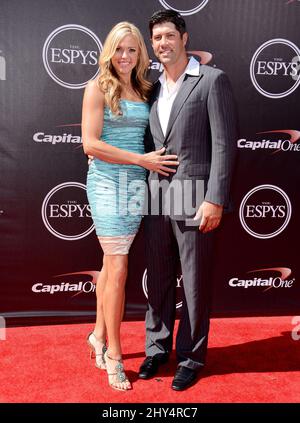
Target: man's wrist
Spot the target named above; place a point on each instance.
(214, 204)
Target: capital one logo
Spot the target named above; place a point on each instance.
(204, 57)
(286, 142)
(70, 55)
(265, 211)
(145, 286)
(268, 278)
(190, 6)
(275, 68)
(63, 138)
(68, 283)
(66, 212)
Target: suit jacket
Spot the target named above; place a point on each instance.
(202, 132)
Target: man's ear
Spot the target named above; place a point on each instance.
(185, 37)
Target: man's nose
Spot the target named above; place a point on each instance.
(164, 40)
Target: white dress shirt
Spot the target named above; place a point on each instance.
(167, 96)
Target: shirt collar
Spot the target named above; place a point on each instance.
(193, 69)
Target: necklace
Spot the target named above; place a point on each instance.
(130, 93)
(129, 88)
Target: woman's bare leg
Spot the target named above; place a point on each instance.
(98, 338)
(113, 307)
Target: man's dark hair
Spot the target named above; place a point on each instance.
(162, 16)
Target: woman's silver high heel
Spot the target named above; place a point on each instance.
(96, 351)
(117, 379)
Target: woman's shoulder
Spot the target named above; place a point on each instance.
(92, 90)
(93, 87)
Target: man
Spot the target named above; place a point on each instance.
(192, 116)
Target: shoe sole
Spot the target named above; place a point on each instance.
(146, 377)
(188, 385)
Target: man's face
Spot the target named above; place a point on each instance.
(168, 46)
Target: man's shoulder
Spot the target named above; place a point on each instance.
(154, 91)
(156, 84)
(211, 71)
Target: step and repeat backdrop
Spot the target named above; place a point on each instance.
(50, 256)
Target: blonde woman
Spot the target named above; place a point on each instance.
(114, 119)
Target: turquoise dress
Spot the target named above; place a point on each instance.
(116, 192)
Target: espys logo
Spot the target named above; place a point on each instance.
(276, 144)
(70, 55)
(274, 68)
(265, 211)
(66, 212)
(277, 278)
(63, 138)
(190, 6)
(2, 67)
(69, 284)
(145, 287)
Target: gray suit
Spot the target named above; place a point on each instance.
(202, 133)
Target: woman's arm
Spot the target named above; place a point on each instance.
(92, 124)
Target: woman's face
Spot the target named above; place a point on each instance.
(126, 55)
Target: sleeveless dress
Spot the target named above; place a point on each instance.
(116, 192)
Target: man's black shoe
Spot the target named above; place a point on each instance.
(183, 378)
(150, 365)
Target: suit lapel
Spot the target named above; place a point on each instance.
(155, 123)
(188, 84)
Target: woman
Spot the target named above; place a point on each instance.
(114, 119)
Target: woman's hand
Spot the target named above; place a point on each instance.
(90, 159)
(156, 162)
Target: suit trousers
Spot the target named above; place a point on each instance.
(169, 241)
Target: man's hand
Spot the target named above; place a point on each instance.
(90, 159)
(210, 215)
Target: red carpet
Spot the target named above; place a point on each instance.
(249, 360)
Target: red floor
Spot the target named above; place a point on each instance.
(251, 360)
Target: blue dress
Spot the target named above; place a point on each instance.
(116, 192)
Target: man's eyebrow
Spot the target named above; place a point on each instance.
(167, 33)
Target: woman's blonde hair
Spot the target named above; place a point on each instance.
(108, 80)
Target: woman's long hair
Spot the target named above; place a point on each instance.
(108, 80)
